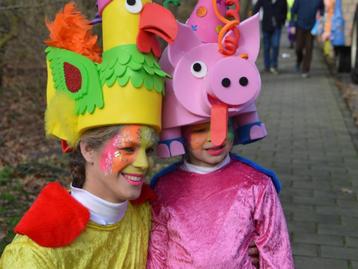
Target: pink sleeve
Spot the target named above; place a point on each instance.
(272, 236)
(158, 243)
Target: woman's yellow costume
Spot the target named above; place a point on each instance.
(120, 245)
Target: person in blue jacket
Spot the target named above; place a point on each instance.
(303, 15)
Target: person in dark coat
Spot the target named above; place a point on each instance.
(274, 17)
(303, 14)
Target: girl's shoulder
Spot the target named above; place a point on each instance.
(257, 171)
(165, 172)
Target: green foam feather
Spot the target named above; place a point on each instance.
(89, 96)
(126, 63)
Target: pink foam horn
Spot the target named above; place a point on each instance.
(204, 22)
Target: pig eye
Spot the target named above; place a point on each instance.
(134, 6)
(199, 69)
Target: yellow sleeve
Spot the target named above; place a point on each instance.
(25, 254)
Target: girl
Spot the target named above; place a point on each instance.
(212, 205)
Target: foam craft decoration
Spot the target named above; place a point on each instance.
(209, 86)
(204, 21)
(123, 85)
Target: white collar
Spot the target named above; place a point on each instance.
(189, 167)
(101, 211)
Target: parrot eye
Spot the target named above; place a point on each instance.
(134, 6)
(199, 69)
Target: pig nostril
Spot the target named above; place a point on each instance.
(226, 82)
(243, 81)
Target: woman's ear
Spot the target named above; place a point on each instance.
(87, 152)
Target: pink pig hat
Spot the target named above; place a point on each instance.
(204, 22)
(207, 86)
(214, 77)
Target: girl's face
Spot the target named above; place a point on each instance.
(199, 148)
(121, 164)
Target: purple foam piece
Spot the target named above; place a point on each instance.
(163, 151)
(176, 148)
(258, 132)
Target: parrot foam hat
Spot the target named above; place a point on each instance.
(122, 85)
(214, 77)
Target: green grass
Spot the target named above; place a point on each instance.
(5, 175)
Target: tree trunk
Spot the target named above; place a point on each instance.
(245, 9)
(5, 38)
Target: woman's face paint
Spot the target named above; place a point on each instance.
(122, 163)
(199, 148)
(123, 149)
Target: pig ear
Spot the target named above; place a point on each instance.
(249, 41)
(186, 40)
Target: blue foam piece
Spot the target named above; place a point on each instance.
(171, 168)
(242, 134)
(163, 172)
(276, 182)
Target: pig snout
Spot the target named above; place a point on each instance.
(234, 81)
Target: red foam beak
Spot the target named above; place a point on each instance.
(219, 122)
(155, 20)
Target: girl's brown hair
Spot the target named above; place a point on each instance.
(94, 138)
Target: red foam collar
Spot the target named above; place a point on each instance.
(55, 219)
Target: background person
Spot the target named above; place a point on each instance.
(303, 15)
(274, 17)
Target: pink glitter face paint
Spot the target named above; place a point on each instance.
(118, 153)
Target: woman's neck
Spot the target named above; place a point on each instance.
(102, 212)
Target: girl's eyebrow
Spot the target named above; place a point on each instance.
(199, 128)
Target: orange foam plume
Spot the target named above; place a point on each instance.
(72, 31)
(230, 44)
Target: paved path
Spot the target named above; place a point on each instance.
(311, 148)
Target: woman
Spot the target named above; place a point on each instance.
(106, 109)
(94, 226)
